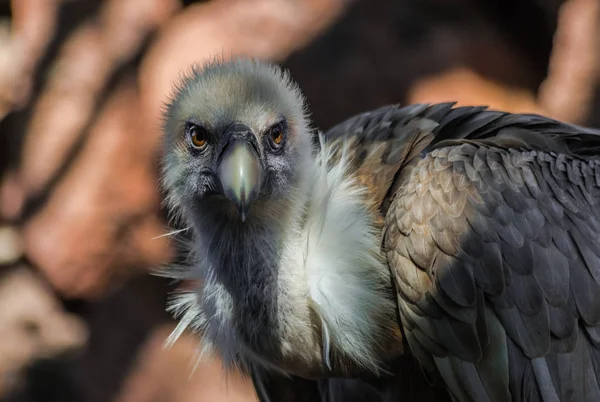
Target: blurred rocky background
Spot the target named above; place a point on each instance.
(82, 83)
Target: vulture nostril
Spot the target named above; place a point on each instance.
(254, 145)
(223, 152)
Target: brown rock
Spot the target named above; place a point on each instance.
(574, 68)
(33, 324)
(31, 28)
(78, 76)
(99, 224)
(11, 196)
(467, 88)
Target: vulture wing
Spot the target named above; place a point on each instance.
(493, 236)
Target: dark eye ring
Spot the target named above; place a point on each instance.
(198, 135)
(277, 135)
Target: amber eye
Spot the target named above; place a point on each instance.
(277, 135)
(198, 135)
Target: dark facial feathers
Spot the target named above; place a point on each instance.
(217, 96)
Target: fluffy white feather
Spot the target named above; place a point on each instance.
(338, 250)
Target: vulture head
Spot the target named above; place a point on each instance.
(285, 247)
(238, 143)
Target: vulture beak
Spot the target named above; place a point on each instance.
(239, 167)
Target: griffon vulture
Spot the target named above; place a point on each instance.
(465, 239)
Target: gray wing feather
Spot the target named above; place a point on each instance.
(506, 207)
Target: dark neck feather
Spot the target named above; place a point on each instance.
(241, 262)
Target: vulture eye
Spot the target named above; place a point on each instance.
(277, 135)
(198, 135)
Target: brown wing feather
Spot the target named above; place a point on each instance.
(496, 258)
(381, 141)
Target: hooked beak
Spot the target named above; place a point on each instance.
(239, 168)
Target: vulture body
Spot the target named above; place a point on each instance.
(487, 224)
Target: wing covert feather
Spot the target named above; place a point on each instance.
(521, 227)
